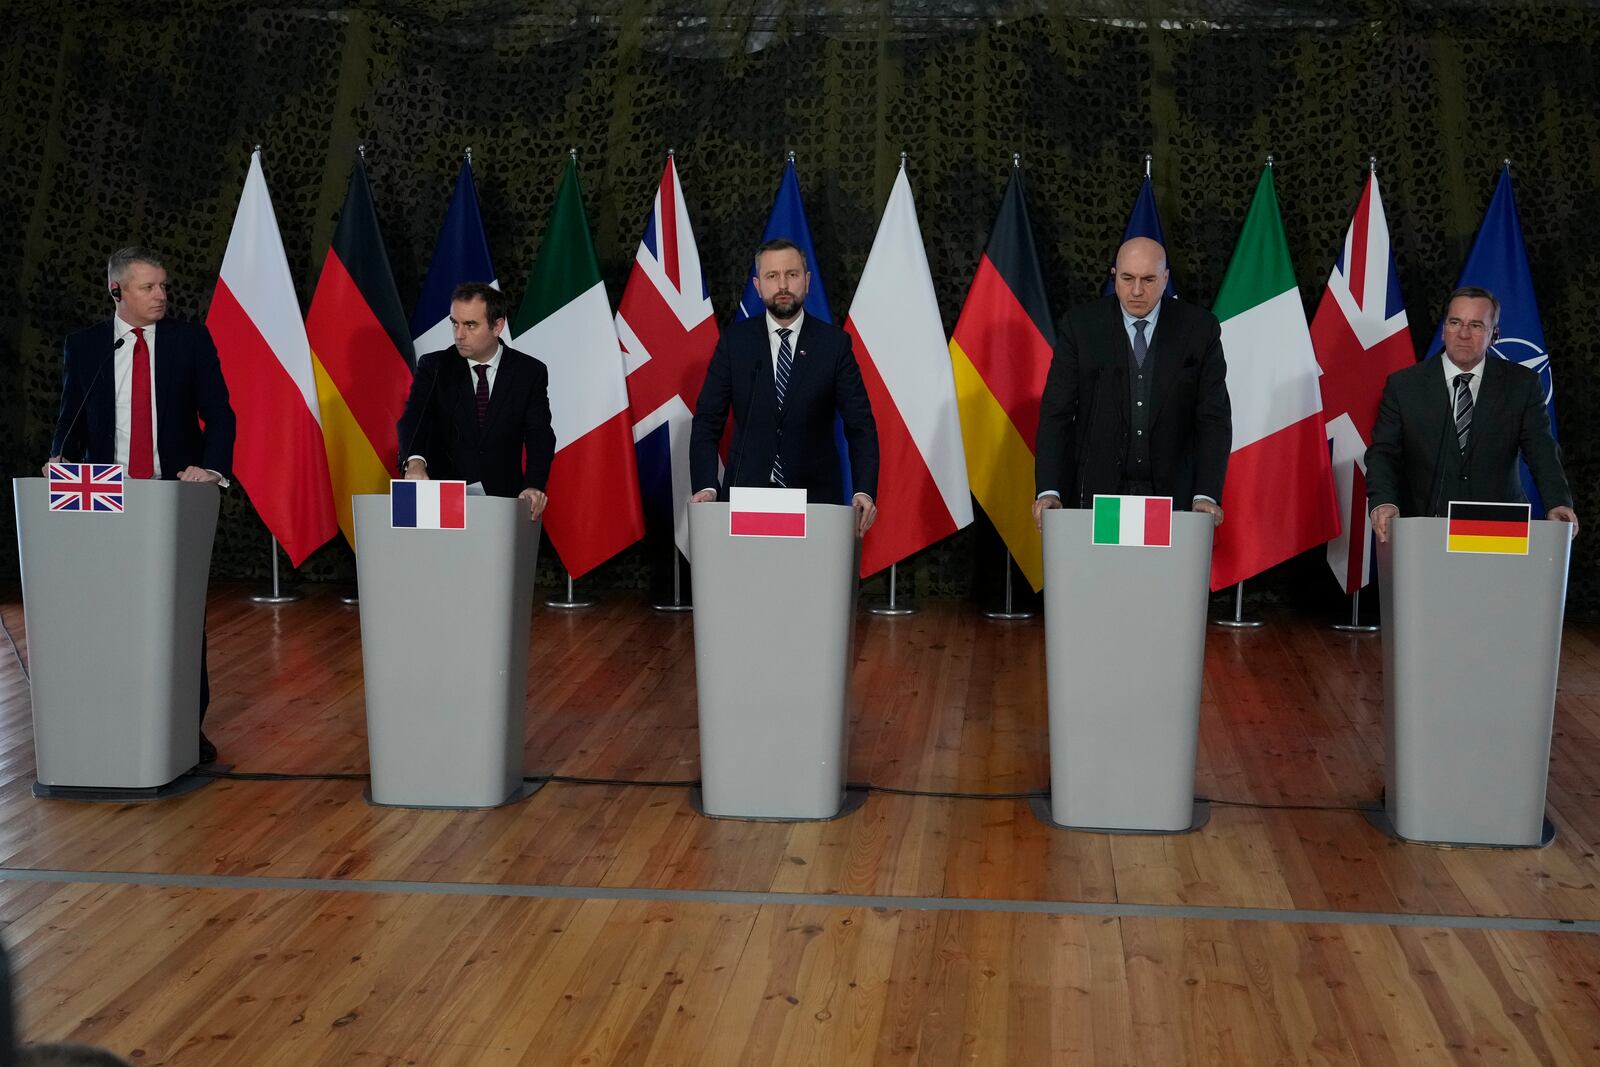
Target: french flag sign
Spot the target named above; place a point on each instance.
(428, 505)
(754, 512)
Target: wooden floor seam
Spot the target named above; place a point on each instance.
(757, 898)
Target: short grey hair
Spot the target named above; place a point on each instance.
(123, 258)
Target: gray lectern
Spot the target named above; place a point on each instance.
(772, 633)
(1125, 636)
(445, 617)
(1471, 646)
(116, 607)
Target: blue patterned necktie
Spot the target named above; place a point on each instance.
(785, 366)
(1141, 347)
(1463, 408)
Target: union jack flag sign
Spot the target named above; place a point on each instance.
(86, 487)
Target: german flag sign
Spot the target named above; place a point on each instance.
(1500, 529)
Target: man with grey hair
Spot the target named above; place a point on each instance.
(146, 391)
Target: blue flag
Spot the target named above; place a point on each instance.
(1498, 262)
(788, 219)
(1143, 221)
(461, 255)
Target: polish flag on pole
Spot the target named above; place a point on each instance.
(899, 338)
(261, 342)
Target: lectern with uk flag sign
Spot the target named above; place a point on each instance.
(114, 573)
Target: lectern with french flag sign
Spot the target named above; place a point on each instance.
(774, 592)
(114, 575)
(446, 612)
(1126, 586)
(1473, 604)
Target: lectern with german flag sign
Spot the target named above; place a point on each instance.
(1472, 611)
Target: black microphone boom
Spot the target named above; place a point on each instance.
(87, 393)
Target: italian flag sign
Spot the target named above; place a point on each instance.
(1142, 521)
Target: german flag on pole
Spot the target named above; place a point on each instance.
(1501, 529)
(360, 352)
(1001, 352)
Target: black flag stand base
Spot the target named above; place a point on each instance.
(277, 594)
(1355, 625)
(1239, 622)
(571, 603)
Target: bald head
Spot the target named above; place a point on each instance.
(1141, 275)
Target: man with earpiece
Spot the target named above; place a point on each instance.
(146, 391)
(1452, 427)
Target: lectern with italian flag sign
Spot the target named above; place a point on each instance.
(1472, 610)
(1125, 591)
(774, 592)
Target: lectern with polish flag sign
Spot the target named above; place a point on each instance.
(900, 344)
(565, 321)
(1278, 497)
(1360, 336)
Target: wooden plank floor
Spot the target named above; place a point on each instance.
(944, 701)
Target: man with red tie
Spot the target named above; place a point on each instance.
(146, 391)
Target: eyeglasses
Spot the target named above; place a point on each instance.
(1473, 326)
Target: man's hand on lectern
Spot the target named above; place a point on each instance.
(1381, 517)
(866, 513)
(704, 496)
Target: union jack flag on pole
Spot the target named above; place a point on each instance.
(86, 487)
(667, 332)
(1360, 336)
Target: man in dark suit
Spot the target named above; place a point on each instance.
(477, 408)
(785, 375)
(136, 390)
(1136, 401)
(1452, 427)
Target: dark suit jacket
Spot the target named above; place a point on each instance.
(1414, 462)
(1084, 412)
(440, 422)
(825, 381)
(189, 390)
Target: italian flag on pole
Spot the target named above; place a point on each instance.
(565, 321)
(1278, 499)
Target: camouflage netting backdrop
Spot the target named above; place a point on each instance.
(134, 121)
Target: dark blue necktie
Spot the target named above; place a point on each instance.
(1141, 347)
(785, 366)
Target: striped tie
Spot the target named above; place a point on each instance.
(1463, 408)
(785, 366)
(482, 396)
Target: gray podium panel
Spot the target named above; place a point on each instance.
(445, 619)
(1471, 647)
(1125, 637)
(773, 623)
(116, 607)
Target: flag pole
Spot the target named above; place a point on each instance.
(1239, 622)
(571, 603)
(278, 595)
(1355, 625)
(892, 607)
(1009, 612)
(677, 604)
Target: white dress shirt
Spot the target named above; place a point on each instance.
(773, 326)
(1451, 372)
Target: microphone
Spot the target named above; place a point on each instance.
(1436, 492)
(422, 416)
(67, 435)
(1082, 432)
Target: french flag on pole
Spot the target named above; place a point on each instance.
(754, 512)
(428, 505)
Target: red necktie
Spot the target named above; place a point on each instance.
(141, 443)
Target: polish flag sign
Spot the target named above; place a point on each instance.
(756, 512)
